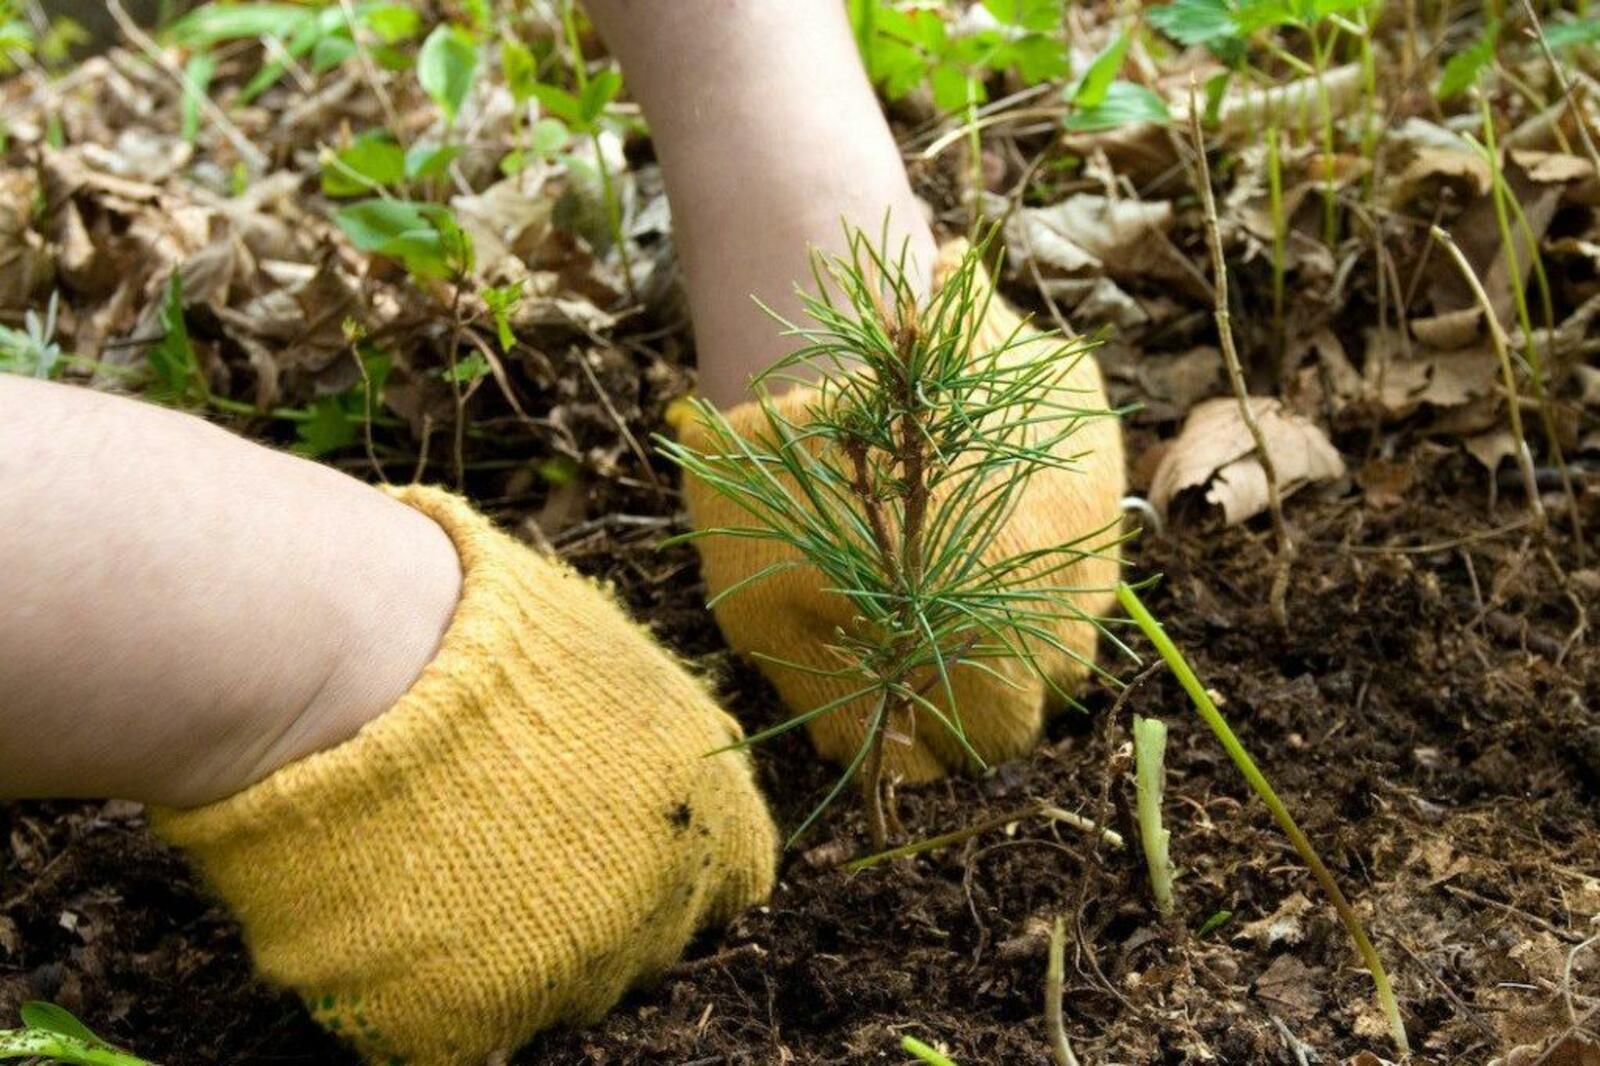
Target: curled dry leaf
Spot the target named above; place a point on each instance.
(1095, 235)
(1215, 452)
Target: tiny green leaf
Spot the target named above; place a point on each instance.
(429, 161)
(373, 161)
(54, 1019)
(1091, 89)
(1124, 104)
(1465, 66)
(598, 94)
(521, 70)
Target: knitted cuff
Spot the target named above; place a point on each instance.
(530, 830)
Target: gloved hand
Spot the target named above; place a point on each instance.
(534, 828)
(789, 615)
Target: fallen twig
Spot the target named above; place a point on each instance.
(1230, 354)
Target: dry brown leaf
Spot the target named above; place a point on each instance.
(1491, 448)
(1477, 232)
(1215, 452)
(1088, 234)
(1441, 379)
(1463, 171)
(26, 265)
(1569, 1049)
(1291, 984)
(1286, 925)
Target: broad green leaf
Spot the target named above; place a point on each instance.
(521, 70)
(446, 67)
(54, 1019)
(1253, 15)
(1092, 87)
(373, 223)
(1465, 66)
(409, 232)
(953, 88)
(1124, 104)
(1039, 59)
(1566, 34)
(1192, 22)
(598, 94)
(373, 161)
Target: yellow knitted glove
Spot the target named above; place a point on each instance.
(534, 827)
(790, 616)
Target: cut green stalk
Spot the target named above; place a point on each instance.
(931, 1055)
(1149, 761)
(41, 1044)
(1055, 979)
(1218, 725)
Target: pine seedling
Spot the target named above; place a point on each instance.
(894, 483)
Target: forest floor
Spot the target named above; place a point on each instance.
(1426, 713)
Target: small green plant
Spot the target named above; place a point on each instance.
(906, 47)
(1230, 29)
(1149, 761)
(894, 483)
(51, 1032)
(1207, 709)
(32, 351)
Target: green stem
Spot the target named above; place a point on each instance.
(932, 1056)
(1149, 757)
(1208, 712)
(42, 1044)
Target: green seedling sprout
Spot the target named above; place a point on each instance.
(1055, 980)
(1149, 762)
(1208, 712)
(894, 484)
(51, 1032)
(925, 1053)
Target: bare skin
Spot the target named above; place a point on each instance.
(183, 612)
(770, 140)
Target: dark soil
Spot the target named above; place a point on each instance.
(1426, 716)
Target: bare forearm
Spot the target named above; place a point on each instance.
(770, 138)
(174, 600)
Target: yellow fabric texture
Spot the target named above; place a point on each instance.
(790, 616)
(534, 828)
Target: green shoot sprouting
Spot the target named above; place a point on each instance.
(1149, 762)
(931, 1055)
(1208, 712)
(51, 1032)
(894, 484)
